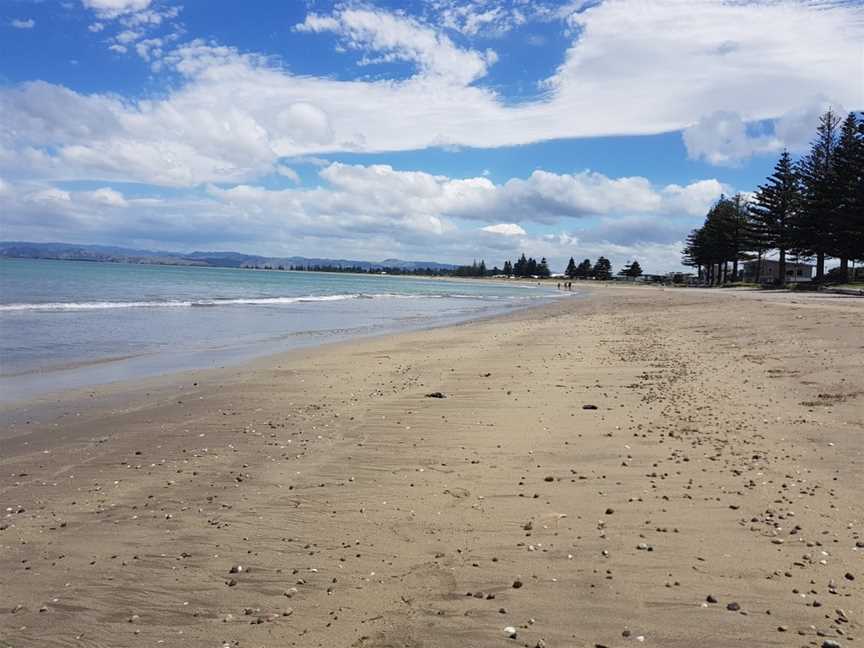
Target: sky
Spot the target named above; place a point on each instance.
(445, 130)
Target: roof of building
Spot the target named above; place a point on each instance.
(775, 261)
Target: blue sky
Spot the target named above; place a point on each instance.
(434, 129)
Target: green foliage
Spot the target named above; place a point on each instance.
(583, 270)
(602, 269)
(813, 208)
(632, 270)
(474, 270)
(846, 181)
(813, 227)
(529, 267)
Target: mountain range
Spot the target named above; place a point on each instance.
(218, 259)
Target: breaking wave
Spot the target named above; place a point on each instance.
(230, 301)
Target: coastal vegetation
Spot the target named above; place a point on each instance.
(811, 209)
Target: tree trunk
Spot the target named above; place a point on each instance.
(844, 269)
(725, 271)
(735, 269)
(820, 266)
(782, 268)
(759, 266)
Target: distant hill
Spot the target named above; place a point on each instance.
(221, 259)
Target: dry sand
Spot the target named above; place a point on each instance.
(723, 460)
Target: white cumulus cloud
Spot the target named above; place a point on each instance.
(722, 138)
(506, 229)
(113, 8)
(397, 37)
(17, 23)
(232, 116)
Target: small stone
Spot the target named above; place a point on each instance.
(711, 599)
(134, 618)
(517, 584)
(782, 628)
(589, 407)
(828, 643)
(510, 631)
(236, 569)
(849, 576)
(548, 478)
(733, 606)
(609, 511)
(436, 394)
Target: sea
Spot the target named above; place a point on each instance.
(73, 324)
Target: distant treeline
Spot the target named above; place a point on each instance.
(434, 272)
(811, 209)
(525, 267)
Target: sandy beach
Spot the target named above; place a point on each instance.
(633, 467)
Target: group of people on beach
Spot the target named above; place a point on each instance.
(568, 285)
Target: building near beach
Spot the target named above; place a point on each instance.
(768, 271)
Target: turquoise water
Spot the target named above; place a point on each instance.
(70, 324)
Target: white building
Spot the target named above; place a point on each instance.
(769, 272)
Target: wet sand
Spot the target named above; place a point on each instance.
(641, 467)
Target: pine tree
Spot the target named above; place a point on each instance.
(602, 270)
(847, 188)
(695, 251)
(758, 240)
(571, 269)
(520, 267)
(508, 268)
(583, 270)
(774, 209)
(543, 268)
(813, 221)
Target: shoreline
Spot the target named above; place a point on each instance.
(724, 446)
(297, 327)
(17, 412)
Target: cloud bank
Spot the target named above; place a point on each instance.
(233, 115)
(375, 210)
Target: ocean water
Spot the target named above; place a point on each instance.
(68, 324)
